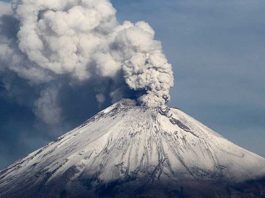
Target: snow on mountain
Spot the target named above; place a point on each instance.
(126, 141)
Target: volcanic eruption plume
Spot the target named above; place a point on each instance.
(79, 40)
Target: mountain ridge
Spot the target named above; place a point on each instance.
(126, 146)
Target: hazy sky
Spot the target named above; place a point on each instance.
(217, 51)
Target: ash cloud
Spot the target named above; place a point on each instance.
(57, 46)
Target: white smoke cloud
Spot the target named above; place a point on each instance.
(80, 40)
(47, 107)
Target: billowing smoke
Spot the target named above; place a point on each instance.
(54, 44)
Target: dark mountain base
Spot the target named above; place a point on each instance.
(140, 189)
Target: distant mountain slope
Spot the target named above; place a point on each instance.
(133, 150)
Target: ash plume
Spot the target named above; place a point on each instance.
(56, 42)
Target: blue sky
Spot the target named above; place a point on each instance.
(217, 52)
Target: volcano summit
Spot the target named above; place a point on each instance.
(134, 148)
(128, 150)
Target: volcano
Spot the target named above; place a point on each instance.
(128, 150)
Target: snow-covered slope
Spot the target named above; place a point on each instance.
(126, 141)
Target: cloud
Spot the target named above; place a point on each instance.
(49, 44)
(63, 61)
(47, 107)
(217, 52)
